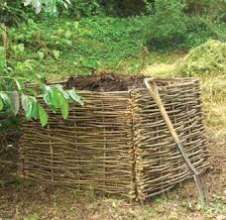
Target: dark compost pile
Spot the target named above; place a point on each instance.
(105, 82)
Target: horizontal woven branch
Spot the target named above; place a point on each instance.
(118, 143)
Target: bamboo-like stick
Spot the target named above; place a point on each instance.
(153, 89)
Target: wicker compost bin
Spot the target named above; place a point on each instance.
(118, 142)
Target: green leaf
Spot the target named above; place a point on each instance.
(75, 96)
(76, 24)
(42, 116)
(34, 111)
(30, 106)
(50, 97)
(60, 89)
(4, 97)
(56, 97)
(20, 47)
(46, 98)
(15, 101)
(26, 105)
(24, 101)
(68, 34)
(65, 110)
(64, 106)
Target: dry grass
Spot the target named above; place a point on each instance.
(157, 69)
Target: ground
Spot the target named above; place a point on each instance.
(35, 202)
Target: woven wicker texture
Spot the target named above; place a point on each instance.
(118, 143)
(9, 135)
(159, 165)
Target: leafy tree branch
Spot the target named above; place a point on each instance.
(15, 92)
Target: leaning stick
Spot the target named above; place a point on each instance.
(153, 90)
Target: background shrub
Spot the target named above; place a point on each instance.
(168, 24)
(173, 27)
(11, 12)
(81, 8)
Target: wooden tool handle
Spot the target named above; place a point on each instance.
(153, 90)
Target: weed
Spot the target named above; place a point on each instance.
(85, 46)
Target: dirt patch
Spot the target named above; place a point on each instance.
(44, 203)
(105, 82)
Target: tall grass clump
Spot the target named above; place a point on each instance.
(207, 59)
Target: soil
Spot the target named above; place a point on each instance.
(105, 82)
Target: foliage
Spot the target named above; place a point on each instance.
(38, 50)
(199, 7)
(15, 11)
(95, 43)
(171, 27)
(208, 58)
(126, 7)
(200, 29)
(15, 92)
(168, 23)
(50, 6)
(12, 12)
(13, 84)
(121, 8)
(214, 9)
(81, 8)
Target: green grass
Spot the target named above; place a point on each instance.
(64, 47)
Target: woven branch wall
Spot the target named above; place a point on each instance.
(9, 135)
(118, 143)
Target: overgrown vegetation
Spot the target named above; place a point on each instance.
(169, 24)
(205, 60)
(172, 26)
(14, 89)
(79, 47)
